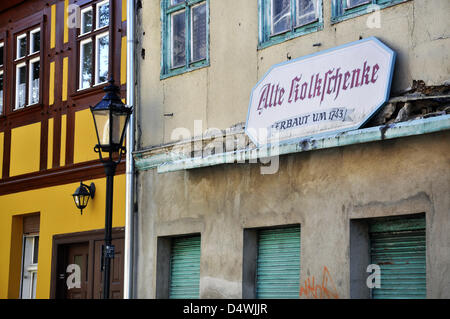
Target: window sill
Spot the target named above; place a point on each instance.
(96, 89)
(362, 10)
(277, 39)
(182, 70)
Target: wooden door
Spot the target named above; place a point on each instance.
(78, 254)
(116, 279)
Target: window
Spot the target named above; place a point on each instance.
(27, 68)
(344, 9)
(281, 20)
(30, 249)
(93, 45)
(396, 248)
(185, 36)
(271, 263)
(185, 268)
(2, 50)
(178, 267)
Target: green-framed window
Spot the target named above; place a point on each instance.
(185, 36)
(281, 20)
(346, 9)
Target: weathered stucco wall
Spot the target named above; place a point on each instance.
(320, 190)
(218, 95)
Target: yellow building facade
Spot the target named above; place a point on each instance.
(55, 59)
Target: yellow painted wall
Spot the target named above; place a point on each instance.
(25, 148)
(63, 140)
(1, 152)
(85, 137)
(50, 143)
(58, 215)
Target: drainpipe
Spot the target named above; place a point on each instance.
(129, 201)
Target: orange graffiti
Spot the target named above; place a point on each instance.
(320, 291)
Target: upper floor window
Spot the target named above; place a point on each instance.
(284, 19)
(93, 44)
(27, 67)
(344, 9)
(2, 50)
(185, 35)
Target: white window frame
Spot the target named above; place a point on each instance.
(32, 41)
(2, 45)
(97, 9)
(20, 37)
(80, 85)
(18, 66)
(97, 56)
(83, 11)
(30, 75)
(31, 269)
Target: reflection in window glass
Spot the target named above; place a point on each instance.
(86, 64)
(102, 14)
(35, 44)
(86, 21)
(354, 3)
(35, 250)
(176, 1)
(198, 32)
(1, 54)
(102, 58)
(34, 81)
(21, 86)
(21, 46)
(281, 16)
(306, 11)
(178, 39)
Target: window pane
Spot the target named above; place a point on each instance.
(178, 39)
(354, 3)
(86, 21)
(1, 54)
(86, 65)
(199, 32)
(35, 249)
(102, 59)
(21, 89)
(173, 2)
(34, 82)
(33, 283)
(35, 41)
(281, 15)
(306, 11)
(21, 47)
(103, 15)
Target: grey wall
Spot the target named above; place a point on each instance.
(218, 95)
(320, 190)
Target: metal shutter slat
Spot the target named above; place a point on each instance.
(185, 268)
(278, 264)
(399, 248)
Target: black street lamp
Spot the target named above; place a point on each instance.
(110, 118)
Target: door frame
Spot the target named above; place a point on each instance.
(58, 256)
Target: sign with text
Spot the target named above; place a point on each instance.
(331, 91)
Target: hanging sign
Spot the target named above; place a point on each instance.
(331, 91)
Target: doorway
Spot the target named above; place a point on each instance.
(77, 265)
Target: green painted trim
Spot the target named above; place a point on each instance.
(166, 11)
(168, 162)
(339, 13)
(265, 38)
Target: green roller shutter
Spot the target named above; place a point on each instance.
(185, 268)
(278, 264)
(398, 247)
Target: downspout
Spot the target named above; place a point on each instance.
(129, 201)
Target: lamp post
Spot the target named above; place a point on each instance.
(110, 118)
